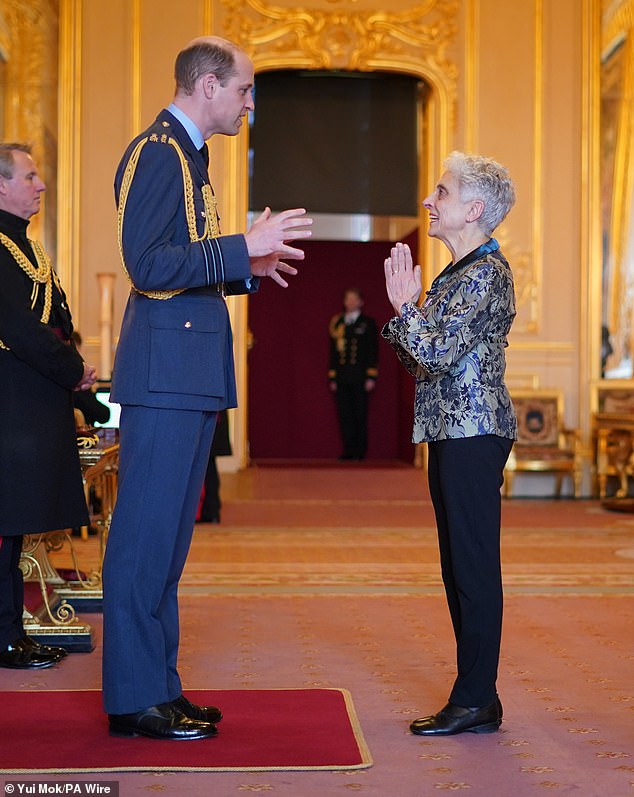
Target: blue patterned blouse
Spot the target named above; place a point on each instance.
(454, 345)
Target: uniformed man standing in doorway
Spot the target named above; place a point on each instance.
(353, 371)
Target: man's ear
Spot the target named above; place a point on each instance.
(209, 83)
(475, 210)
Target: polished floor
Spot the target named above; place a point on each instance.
(329, 577)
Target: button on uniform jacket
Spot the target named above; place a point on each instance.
(176, 352)
(454, 346)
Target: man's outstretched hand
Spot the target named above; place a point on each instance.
(267, 238)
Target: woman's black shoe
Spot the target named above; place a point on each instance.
(454, 719)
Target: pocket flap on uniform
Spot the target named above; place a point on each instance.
(198, 317)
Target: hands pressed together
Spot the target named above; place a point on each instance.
(267, 242)
(403, 279)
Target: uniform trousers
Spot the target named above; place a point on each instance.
(11, 591)
(210, 507)
(352, 408)
(163, 457)
(465, 476)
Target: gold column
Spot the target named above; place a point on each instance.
(68, 199)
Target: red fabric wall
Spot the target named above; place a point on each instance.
(291, 409)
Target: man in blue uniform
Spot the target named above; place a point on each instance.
(173, 372)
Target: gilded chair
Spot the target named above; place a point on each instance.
(613, 436)
(544, 444)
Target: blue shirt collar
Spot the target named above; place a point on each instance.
(192, 131)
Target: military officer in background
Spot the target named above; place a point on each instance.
(353, 371)
(41, 485)
(173, 373)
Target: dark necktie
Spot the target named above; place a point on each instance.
(204, 151)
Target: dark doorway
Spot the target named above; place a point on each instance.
(337, 144)
(291, 410)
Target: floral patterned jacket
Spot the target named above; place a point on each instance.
(454, 345)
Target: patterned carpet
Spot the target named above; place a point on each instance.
(361, 531)
(329, 578)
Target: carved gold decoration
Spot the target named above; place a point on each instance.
(414, 41)
(618, 19)
(617, 178)
(35, 566)
(28, 40)
(69, 184)
(526, 286)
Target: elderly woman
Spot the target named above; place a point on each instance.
(453, 344)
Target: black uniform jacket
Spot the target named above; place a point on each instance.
(353, 350)
(40, 476)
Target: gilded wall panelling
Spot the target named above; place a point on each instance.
(518, 380)
(135, 67)
(590, 214)
(530, 319)
(471, 81)
(69, 216)
(28, 38)
(526, 261)
(527, 288)
(617, 176)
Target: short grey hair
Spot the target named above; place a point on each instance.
(201, 57)
(7, 161)
(485, 179)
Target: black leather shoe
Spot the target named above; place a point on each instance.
(454, 719)
(19, 655)
(203, 713)
(51, 650)
(498, 703)
(160, 722)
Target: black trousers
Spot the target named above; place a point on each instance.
(465, 476)
(352, 408)
(210, 508)
(11, 591)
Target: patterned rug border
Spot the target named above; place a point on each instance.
(364, 750)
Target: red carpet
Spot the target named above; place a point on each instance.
(262, 729)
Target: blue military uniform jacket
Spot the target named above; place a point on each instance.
(175, 347)
(454, 345)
